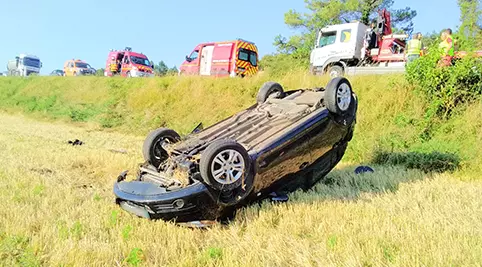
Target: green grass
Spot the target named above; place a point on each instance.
(391, 118)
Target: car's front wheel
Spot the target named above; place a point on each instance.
(153, 148)
(226, 166)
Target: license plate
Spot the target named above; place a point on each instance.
(139, 211)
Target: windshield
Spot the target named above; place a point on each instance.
(82, 65)
(31, 62)
(248, 55)
(140, 60)
(327, 38)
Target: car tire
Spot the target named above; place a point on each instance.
(152, 150)
(269, 89)
(339, 96)
(335, 71)
(129, 74)
(236, 168)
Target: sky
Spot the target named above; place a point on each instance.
(164, 30)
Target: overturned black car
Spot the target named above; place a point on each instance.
(288, 140)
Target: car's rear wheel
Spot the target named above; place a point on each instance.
(269, 89)
(153, 150)
(225, 165)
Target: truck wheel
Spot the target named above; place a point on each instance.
(335, 71)
(129, 74)
(269, 89)
(225, 165)
(339, 96)
(152, 149)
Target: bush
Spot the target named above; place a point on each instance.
(446, 87)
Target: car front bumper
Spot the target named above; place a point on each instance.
(152, 201)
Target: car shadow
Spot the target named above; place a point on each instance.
(346, 182)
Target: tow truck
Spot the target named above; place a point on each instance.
(342, 49)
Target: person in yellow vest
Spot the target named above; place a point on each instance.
(446, 47)
(451, 41)
(113, 66)
(414, 48)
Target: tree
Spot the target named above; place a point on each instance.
(161, 69)
(326, 12)
(470, 30)
(99, 72)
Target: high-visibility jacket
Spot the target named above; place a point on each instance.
(447, 47)
(414, 47)
(451, 42)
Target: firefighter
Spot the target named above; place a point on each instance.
(414, 48)
(113, 66)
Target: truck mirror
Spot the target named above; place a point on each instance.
(188, 59)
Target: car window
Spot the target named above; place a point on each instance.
(194, 55)
(243, 55)
(345, 36)
(327, 38)
(248, 55)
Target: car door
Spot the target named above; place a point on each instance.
(283, 159)
(206, 60)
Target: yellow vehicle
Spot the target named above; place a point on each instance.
(77, 67)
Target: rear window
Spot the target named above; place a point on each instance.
(248, 55)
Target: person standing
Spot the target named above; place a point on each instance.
(446, 46)
(414, 48)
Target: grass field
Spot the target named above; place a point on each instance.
(56, 200)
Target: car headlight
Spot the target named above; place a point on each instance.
(134, 68)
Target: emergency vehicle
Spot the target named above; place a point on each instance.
(230, 58)
(128, 64)
(77, 67)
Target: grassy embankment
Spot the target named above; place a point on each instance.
(391, 115)
(56, 200)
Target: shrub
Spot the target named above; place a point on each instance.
(446, 87)
(426, 162)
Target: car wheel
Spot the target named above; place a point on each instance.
(269, 89)
(225, 165)
(152, 149)
(335, 71)
(339, 96)
(129, 74)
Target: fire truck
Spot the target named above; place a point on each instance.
(343, 49)
(230, 58)
(127, 63)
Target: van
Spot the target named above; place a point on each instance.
(128, 64)
(77, 67)
(230, 58)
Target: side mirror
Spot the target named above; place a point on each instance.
(188, 59)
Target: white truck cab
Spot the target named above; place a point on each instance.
(337, 47)
(24, 65)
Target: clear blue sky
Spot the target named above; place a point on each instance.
(164, 30)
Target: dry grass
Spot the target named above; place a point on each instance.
(56, 209)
